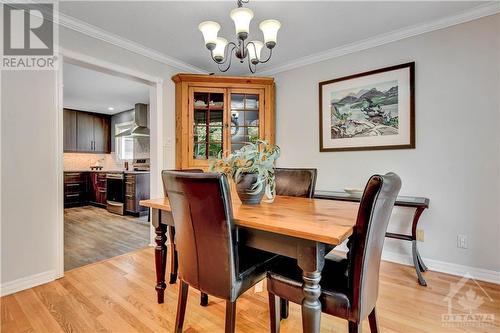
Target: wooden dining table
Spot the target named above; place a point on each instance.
(301, 228)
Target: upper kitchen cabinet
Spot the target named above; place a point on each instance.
(102, 134)
(69, 130)
(86, 132)
(219, 114)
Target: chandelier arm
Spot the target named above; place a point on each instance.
(230, 59)
(249, 62)
(226, 53)
(250, 67)
(255, 50)
(268, 58)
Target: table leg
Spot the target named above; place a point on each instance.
(416, 263)
(174, 266)
(423, 268)
(160, 255)
(417, 260)
(311, 261)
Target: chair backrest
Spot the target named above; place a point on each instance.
(295, 182)
(365, 245)
(180, 170)
(204, 230)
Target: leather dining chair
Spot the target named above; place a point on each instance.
(349, 287)
(173, 249)
(210, 257)
(295, 182)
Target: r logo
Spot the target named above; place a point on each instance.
(28, 29)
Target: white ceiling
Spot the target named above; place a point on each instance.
(89, 90)
(308, 27)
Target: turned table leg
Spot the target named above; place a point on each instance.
(160, 255)
(311, 261)
(174, 266)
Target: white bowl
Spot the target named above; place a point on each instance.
(354, 192)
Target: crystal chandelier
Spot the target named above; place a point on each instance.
(221, 51)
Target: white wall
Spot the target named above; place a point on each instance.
(456, 162)
(29, 158)
(28, 179)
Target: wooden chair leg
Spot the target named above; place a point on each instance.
(181, 306)
(284, 304)
(372, 318)
(354, 327)
(274, 312)
(203, 299)
(230, 317)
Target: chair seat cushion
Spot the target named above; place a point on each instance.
(284, 279)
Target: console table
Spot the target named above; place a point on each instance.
(419, 203)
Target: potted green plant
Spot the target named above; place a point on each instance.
(252, 169)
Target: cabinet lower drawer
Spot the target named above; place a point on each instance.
(74, 177)
(72, 187)
(74, 198)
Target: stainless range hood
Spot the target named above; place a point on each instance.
(140, 128)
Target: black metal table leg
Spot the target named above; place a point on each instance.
(417, 260)
(416, 263)
(423, 268)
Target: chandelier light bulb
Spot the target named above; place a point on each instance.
(220, 49)
(242, 17)
(270, 30)
(209, 29)
(254, 49)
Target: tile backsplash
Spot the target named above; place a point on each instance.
(82, 161)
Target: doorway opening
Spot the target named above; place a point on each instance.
(109, 149)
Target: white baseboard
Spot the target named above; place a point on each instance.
(27, 282)
(445, 267)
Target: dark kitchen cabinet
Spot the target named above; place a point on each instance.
(86, 132)
(136, 189)
(69, 127)
(97, 188)
(75, 189)
(102, 135)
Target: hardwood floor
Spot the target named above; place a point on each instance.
(93, 234)
(117, 295)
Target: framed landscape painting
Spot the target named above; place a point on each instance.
(368, 111)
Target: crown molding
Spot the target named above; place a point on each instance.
(106, 36)
(487, 9)
(480, 11)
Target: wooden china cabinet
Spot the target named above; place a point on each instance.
(219, 114)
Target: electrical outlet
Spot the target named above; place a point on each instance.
(462, 241)
(420, 235)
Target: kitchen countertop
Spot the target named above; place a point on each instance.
(108, 171)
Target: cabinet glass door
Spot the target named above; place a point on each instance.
(208, 120)
(245, 125)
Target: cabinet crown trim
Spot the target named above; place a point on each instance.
(183, 77)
